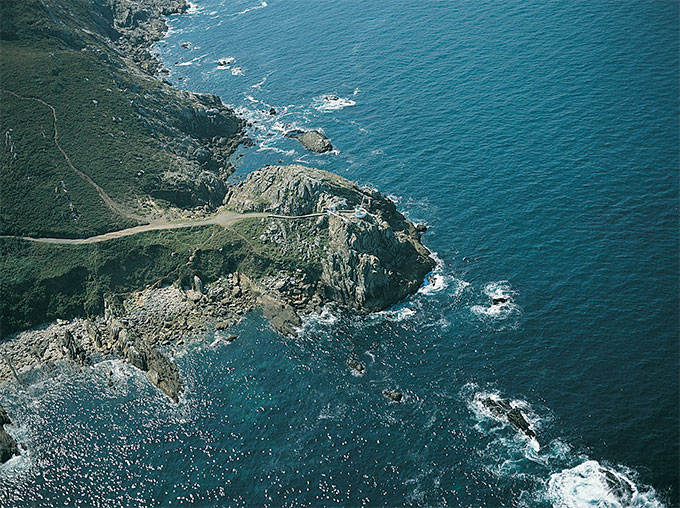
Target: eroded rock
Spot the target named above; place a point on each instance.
(393, 395)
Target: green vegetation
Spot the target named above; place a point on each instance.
(115, 123)
(93, 93)
(40, 282)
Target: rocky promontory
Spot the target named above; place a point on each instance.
(359, 250)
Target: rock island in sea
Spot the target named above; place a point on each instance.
(133, 242)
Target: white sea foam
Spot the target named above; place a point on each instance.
(501, 310)
(261, 5)
(328, 103)
(194, 8)
(237, 71)
(398, 315)
(225, 63)
(259, 85)
(591, 485)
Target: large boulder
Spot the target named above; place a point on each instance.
(504, 410)
(315, 142)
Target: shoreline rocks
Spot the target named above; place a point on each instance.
(8, 445)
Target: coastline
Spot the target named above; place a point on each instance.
(355, 267)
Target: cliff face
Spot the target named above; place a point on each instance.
(367, 263)
(135, 25)
(197, 127)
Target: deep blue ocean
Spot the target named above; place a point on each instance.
(539, 142)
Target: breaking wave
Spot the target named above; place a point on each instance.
(331, 102)
(501, 302)
(592, 485)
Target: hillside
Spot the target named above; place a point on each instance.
(76, 66)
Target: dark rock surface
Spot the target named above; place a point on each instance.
(393, 395)
(8, 446)
(504, 410)
(74, 351)
(356, 365)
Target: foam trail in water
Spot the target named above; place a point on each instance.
(262, 5)
(331, 102)
(191, 62)
(259, 85)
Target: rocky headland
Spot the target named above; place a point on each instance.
(351, 246)
(323, 239)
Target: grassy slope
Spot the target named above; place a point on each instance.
(42, 282)
(38, 58)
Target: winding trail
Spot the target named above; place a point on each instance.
(221, 218)
(121, 210)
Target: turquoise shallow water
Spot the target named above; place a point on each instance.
(539, 142)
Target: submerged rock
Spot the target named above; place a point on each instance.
(393, 395)
(503, 409)
(315, 142)
(356, 366)
(8, 446)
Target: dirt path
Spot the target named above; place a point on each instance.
(223, 218)
(125, 212)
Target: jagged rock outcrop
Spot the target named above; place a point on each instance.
(8, 445)
(197, 128)
(364, 261)
(136, 25)
(140, 353)
(74, 351)
(503, 409)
